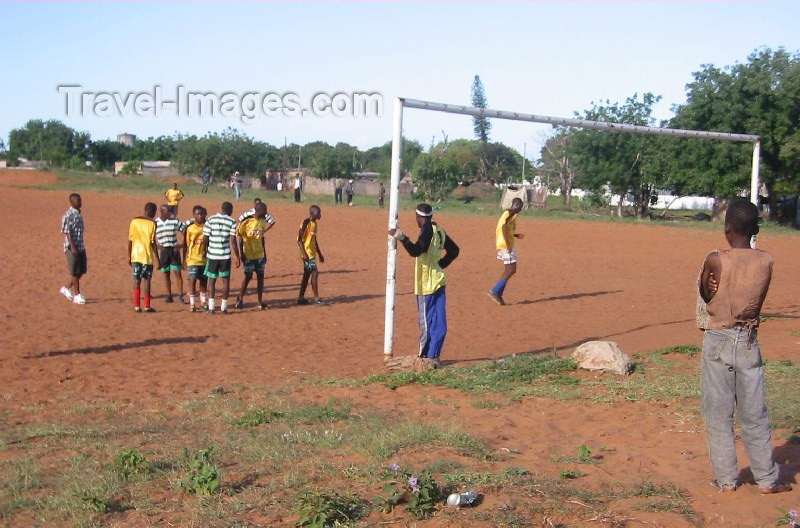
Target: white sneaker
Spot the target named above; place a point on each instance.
(66, 293)
(79, 299)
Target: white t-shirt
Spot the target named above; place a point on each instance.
(297, 182)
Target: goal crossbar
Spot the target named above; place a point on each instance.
(397, 148)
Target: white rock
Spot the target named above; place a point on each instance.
(602, 355)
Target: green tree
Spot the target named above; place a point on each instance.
(761, 96)
(51, 141)
(379, 159)
(625, 163)
(556, 162)
(435, 175)
(105, 152)
(481, 125)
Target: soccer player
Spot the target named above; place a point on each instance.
(173, 196)
(734, 283)
(167, 229)
(505, 233)
(220, 232)
(194, 256)
(310, 252)
(206, 179)
(250, 237)
(429, 279)
(142, 255)
(74, 248)
(251, 212)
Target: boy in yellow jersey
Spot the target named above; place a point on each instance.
(142, 255)
(250, 237)
(429, 280)
(173, 196)
(505, 233)
(310, 252)
(194, 256)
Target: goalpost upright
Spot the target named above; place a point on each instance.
(397, 149)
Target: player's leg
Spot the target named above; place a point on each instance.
(203, 291)
(301, 299)
(260, 286)
(436, 311)
(315, 284)
(211, 274)
(147, 277)
(176, 271)
(137, 297)
(164, 258)
(225, 277)
(248, 274)
(422, 319)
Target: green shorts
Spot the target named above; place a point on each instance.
(142, 271)
(170, 259)
(196, 272)
(310, 264)
(218, 269)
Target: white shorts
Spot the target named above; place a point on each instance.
(508, 257)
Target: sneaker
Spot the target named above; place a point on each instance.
(79, 299)
(168, 299)
(66, 293)
(496, 298)
(724, 488)
(239, 304)
(319, 302)
(180, 299)
(262, 306)
(303, 300)
(137, 309)
(149, 309)
(778, 487)
(436, 363)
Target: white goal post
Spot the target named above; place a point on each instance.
(397, 149)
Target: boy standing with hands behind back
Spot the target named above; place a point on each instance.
(734, 284)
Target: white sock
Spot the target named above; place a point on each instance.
(202, 298)
(211, 305)
(192, 298)
(223, 304)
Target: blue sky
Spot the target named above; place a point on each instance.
(550, 58)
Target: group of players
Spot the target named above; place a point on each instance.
(208, 248)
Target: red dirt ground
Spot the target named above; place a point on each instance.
(631, 283)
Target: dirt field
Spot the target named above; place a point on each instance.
(577, 281)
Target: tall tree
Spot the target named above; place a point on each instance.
(761, 96)
(556, 159)
(481, 125)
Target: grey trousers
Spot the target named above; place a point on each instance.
(732, 376)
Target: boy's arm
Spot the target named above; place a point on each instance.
(236, 250)
(130, 248)
(709, 278)
(506, 232)
(300, 240)
(72, 247)
(419, 247)
(319, 251)
(240, 244)
(451, 251)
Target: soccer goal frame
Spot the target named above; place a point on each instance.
(397, 149)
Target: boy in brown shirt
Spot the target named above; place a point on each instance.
(733, 285)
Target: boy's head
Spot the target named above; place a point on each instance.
(175, 185)
(516, 205)
(150, 210)
(741, 219)
(261, 210)
(424, 214)
(163, 212)
(315, 212)
(199, 213)
(75, 200)
(256, 201)
(227, 208)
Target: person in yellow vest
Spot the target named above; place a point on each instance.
(173, 196)
(505, 235)
(429, 279)
(142, 255)
(250, 237)
(194, 256)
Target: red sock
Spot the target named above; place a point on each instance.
(136, 298)
(147, 301)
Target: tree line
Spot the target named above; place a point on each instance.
(760, 96)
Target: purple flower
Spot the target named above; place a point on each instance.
(412, 482)
(394, 467)
(792, 514)
(792, 522)
(415, 489)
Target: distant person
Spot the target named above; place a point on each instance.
(169, 254)
(298, 185)
(381, 194)
(429, 279)
(338, 183)
(349, 191)
(280, 186)
(173, 196)
(142, 255)
(72, 227)
(310, 253)
(505, 235)
(236, 183)
(734, 283)
(206, 179)
(194, 256)
(220, 233)
(250, 237)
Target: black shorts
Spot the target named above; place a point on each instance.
(218, 269)
(170, 259)
(76, 264)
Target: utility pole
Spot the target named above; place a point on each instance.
(524, 153)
